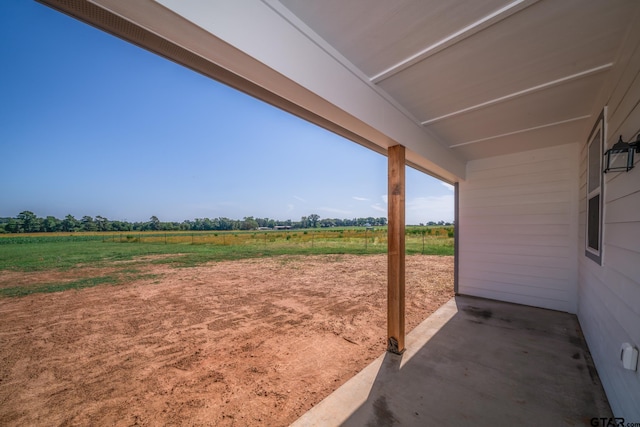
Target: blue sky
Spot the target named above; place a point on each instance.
(91, 125)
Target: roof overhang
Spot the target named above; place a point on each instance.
(451, 81)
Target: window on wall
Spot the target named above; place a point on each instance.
(594, 191)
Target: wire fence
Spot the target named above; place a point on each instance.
(417, 239)
(367, 239)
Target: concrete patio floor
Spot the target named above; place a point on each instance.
(475, 362)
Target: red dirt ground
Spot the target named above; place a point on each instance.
(241, 343)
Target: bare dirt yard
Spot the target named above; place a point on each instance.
(240, 343)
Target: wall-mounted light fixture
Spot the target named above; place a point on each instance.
(620, 156)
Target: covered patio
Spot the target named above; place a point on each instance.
(515, 103)
(475, 362)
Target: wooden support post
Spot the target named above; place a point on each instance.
(396, 250)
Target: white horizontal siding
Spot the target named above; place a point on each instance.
(545, 239)
(550, 275)
(520, 295)
(553, 278)
(550, 197)
(609, 295)
(512, 217)
(601, 334)
(621, 210)
(606, 327)
(624, 235)
(490, 182)
(521, 254)
(517, 233)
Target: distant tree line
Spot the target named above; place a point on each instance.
(28, 222)
(434, 223)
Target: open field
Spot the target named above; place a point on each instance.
(133, 340)
(107, 252)
(418, 238)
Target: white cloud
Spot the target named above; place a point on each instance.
(299, 199)
(290, 208)
(378, 208)
(430, 208)
(361, 199)
(335, 211)
(448, 186)
(385, 198)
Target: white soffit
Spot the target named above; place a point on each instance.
(487, 73)
(541, 108)
(401, 31)
(452, 81)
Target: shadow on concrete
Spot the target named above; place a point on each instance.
(475, 362)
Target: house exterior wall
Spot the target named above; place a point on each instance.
(609, 294)
(518, 230)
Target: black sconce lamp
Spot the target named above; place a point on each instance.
(620, 156)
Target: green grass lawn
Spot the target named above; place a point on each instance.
(44, 252)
